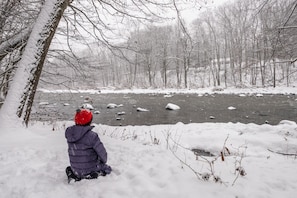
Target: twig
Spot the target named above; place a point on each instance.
(239, 169)
(286, 154)
(198, 175)
(224, 148)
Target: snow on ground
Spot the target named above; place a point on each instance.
(156, 161)
(168, 92)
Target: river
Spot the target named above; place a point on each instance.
(194, 108)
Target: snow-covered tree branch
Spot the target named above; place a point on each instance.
(21, 94)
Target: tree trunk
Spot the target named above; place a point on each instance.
(149, 70)
(177, 66)
(274, 73)
(164, 65)
(218, 57)
(19, 100)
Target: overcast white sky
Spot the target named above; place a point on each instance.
(190, 10)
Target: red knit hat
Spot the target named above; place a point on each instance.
(83, 117)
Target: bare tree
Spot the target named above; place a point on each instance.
(21, 94)
(82, 19)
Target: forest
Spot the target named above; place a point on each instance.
(242, 43)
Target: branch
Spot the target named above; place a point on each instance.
(286, 154)
(287, 27)
(293, 61)
(292, 11)
(14, 42)
(180, 20)
(198, 175)
(262, 6)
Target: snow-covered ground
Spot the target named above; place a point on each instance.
(251, 90)
(156, 161)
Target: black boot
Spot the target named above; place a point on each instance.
(71, 175)
(92, 175)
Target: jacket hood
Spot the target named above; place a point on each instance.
(76, 132)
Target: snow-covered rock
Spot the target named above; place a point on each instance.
(139, 109)
(121, 113)
(288, 122)
(112, 106)
(88, 100)
(171, 106)
(231, 108)
(96, 112)
(44, 103)
(87, 106)
(168, 95)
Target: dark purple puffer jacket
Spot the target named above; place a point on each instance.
(86, 152)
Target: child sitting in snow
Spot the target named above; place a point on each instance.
(86, 152)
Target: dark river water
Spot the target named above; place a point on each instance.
(193, 108)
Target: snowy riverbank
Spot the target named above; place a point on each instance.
(268, 90)
(155, 161)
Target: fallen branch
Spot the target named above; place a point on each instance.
(286, 154)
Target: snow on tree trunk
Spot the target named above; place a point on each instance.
(19, 100)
